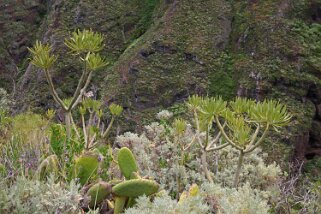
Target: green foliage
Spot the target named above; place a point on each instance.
(135, 188)
(240, 130)
(270, 112)
(57, 138)
(211, 107)
(308, 35)
(86, 167)
(85, 41)
(30, 127)
(24, 141)
(147, 10)
(241, 105)
(180, 126)
(92, 131)
(41, 56)
(91, 104)
(126, 162)
(94, 61)
(221, 80)
(115, 109)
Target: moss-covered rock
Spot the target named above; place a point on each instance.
(163, 51)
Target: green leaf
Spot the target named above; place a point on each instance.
(85, 41)
(41, 56)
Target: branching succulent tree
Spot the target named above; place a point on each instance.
(94, 128)
(242, 124)
(204, 111)
(85, 44)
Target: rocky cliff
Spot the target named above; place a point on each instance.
(162, 51)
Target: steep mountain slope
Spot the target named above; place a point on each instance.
(161, 51)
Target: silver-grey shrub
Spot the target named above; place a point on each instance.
(36, 197)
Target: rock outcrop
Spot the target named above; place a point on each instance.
(163, 51)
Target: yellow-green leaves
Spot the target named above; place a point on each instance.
(208, 109)
(95, 61)
(241, 120)
(115, 109)
(179, 126)
(91, 104)
(213, 106)
(41, 56)
(89, 43)
(82, 110)
(240, 130)
(241, 105)
(67, 101)
(194, 102)
(85, 41)
(270, 112)
(50, 113)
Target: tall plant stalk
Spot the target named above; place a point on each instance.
(82, 43)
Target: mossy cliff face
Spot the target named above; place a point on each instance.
(163, 51)
(119, 21)
(275, 54)
(172, 60)
(18, 22)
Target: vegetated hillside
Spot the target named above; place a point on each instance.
(162, 51)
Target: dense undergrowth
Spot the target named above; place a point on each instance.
(208, 160)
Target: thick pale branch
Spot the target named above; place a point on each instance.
(217, 138)
(84, 130)
(217, 147)
(74, 126)
(190, 144)
(53, 90)
(198, 129)
(260, 141)
(254, 135)
(82, 91)
(109, 127)
(79, 86)
(225, 135)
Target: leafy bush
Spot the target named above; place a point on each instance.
(165, 204)
(230, 200)
(27, 144)
(159, 158)
(33, 196)
(212, 198)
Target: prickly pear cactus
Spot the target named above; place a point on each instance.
(98, 192)
(127, 162)
(135, 188)
(119, 204)
(86, 166)
(48, 166)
